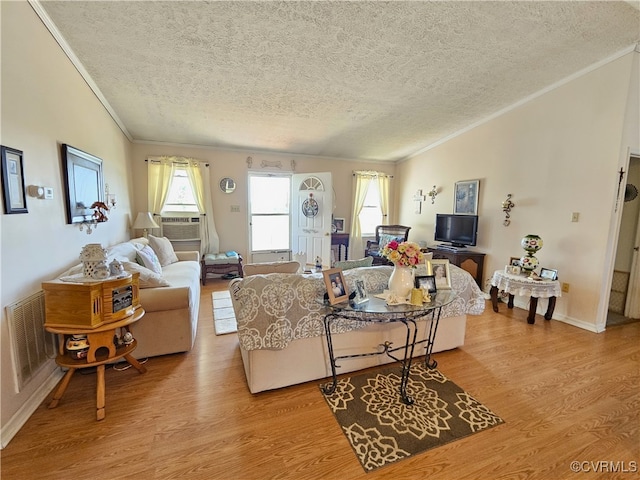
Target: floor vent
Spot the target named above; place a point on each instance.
(32, 345)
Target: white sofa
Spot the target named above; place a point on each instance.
(281, 329)
(171, 300)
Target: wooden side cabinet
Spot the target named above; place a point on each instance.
(472, 262)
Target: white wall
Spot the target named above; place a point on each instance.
(233, 226)
(557, 154)
(45, 103)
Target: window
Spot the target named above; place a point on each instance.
(269, 201)
(371, 214)
(180, 197)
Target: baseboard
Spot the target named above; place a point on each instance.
(8, 431)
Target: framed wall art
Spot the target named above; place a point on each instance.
(338, 225)
(466, 197)
(84, 183)
(13, 190)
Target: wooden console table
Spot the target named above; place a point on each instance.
(102, 350)
(523, 286)
(472, 262)
(341, 239)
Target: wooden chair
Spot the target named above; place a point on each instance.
(384, 234)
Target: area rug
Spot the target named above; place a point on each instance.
(382, 429)
(224, 318)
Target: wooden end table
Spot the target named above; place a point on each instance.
(524, 286)
(102, 350)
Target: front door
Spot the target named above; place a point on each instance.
(312, 208)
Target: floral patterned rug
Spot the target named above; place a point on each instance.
(382, 429)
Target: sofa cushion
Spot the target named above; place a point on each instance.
(163, 249)
(148, 258)
(386, 238)
(220, 259)
(349, 264)
(270, 267)
(123, 252)
(148, 278)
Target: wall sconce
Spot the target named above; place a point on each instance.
(99, 215)
(507, 205)
(432, 194)
(109, 198)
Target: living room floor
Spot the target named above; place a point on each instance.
(566, 395)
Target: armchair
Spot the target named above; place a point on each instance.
(384, 234)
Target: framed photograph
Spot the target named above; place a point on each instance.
(512, 269)
(361, 292)
(441, 274)
(336, 286)
(13, 190)
(84, 184)
(465, 200)
(514, 261)
(548, 274)
(427, 282)
(338, 224)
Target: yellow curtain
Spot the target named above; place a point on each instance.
(383, 187)
(360, 192)
(159, 174)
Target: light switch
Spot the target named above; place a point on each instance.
(575, 216)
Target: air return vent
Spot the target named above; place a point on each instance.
(32, 345)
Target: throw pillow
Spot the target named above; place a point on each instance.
(148, 258)
(349, 264)
(148, 278)
(163, 249)
(386, 238)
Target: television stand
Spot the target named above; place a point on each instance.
(452, 248)
(472, 262)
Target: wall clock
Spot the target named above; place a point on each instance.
(227, 185)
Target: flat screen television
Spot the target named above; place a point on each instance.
(458, 230)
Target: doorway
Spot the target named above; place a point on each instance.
(625, 286)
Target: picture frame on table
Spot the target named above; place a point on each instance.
(514, 261)
(442, 274)
(548, 274)
(426, 282)
(512, 269)
(14, 197)
(361, 292)
(338, 224)
(465, 198)
(336, 285)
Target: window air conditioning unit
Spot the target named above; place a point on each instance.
(181, 229)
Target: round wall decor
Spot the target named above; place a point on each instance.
(310, 207)
(227, 185)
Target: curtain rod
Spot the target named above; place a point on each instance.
(186, 162)
(372, 174)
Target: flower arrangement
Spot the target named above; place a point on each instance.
(405, 254)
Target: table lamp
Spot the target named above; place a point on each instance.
(145, 220)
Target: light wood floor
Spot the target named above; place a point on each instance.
(566, 395)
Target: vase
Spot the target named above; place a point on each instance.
(531, 244)
(401, 281)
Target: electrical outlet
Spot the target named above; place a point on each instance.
(565, 287)
(575, 216)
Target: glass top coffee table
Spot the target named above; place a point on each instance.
(376, 310)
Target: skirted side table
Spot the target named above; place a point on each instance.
(525, 287)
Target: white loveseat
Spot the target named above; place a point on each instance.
(171, 300)
(281, 328)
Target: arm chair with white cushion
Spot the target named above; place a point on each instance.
(385, 234)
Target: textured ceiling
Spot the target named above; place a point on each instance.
(367, 80)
